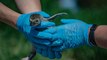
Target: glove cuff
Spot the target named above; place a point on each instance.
(86, 34)
(19, 22)
(23, 22)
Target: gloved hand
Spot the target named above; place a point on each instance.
(42, 46)
(37, 38)
(73, 33)
(49, 53)
(23, 25)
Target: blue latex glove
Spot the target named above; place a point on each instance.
(49, 53)
(23, 25)
(43, 47)
(37, 38)
(73, 33)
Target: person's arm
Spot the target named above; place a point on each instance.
(28, 6)
(8, 16)
(101, 36)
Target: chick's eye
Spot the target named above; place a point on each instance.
(36, 20)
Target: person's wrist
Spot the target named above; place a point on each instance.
(86, 34)
(98, 35)
(15, 21)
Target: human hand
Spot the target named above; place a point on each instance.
(37, 38)
(42, 46)
(73, 33)
(49, 53)
(23, 25)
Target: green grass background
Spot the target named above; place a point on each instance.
(14, 46)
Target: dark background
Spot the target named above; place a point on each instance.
(14, 46)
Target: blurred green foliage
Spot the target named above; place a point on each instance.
(13, 45)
